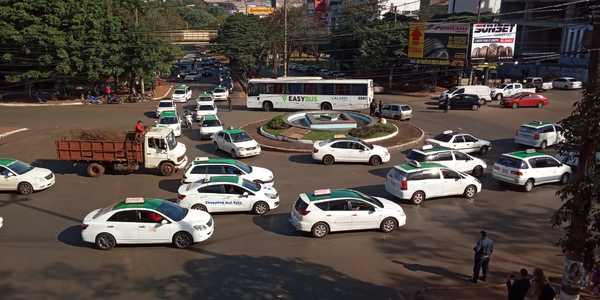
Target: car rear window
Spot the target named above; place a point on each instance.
(405, 107)
(300, 204)
(418, 156)
(527, 129)
(397, 174)
(443, 137)
(511, 162)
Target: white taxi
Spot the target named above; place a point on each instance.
(16, 175)
(209, 125)
(349, 150)
(530, 168)
(203, 168)
(227, 194)
(325, 211)
(220, 93)
(164, 105)
(205, 109)
(182, 93)
(539, 134)
(461, 141)
(170, 119)
(236, 142)
(419, 181)
(146, 221)
(453, 159)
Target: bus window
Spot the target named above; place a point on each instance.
(277, 88)
(310, 88)
(295, 88)
(253, 89)
(325, 89)
(359, 89)
(343, 89)
(269, 88)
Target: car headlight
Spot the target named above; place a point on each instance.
(200, 227)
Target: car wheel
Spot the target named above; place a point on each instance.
(515, 106)
(418, 197)
(470, 192)
(564, 179)
(529, 185)
(25, 188)
(475, 107)
(105, 241)
(320, 230)
(260, 208)
(499, 97)
(233, 153)
(540, 105)
(477, 171)
(95, 170)
(328, 160)
(484, 150)
(267, 106)
(182, 240)
(375, 160)
(167, 169)
(388, 225)
(200, 207)
(543, 145)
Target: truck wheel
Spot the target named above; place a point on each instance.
(95, 169)
(167, 169)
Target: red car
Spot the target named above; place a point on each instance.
(525, 99)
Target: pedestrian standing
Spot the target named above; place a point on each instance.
(108, 93)
(483, 251)
(447, 105)
(540, 287)
(519, 287)
(380, 107)
(372, 108)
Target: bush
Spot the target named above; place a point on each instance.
(277, 123)
(372, 131)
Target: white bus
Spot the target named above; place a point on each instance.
(309, 93)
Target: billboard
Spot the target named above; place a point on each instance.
(493, 42)
(438, 43)
(259, 10)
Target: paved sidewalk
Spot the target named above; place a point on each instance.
(162, 91)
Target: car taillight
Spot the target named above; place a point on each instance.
(83, 226)
(536, 136)
(303, 211)
(315, 150)
(404, 184)
(518, 173)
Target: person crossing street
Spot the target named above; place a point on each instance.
(483, 251)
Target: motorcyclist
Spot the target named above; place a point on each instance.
(188, 118)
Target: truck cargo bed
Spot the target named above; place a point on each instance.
(128, 150)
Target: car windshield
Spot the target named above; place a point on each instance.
(443, 137)
(511, 162)
(211, 123)
(165, 104)
(370, 199)
(171, 141)
(405, 107)
(173, 211)
(502, 86)
(20, 167)
(240, 137)
(418, 156)
(246, 168)
(452, 90)
(205, 107)
(219, 90)
(168, 120)
(204, 99)
(179, 91)
(370, 146)
(253, 186)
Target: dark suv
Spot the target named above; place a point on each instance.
(463, 101)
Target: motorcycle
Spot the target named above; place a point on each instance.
(188, 119)
(93, 100)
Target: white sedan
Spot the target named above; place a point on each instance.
(461, 141)
(146, 221)
(203, 168)
(325, 211)
(349, 150)
(207, 109)
(165, 105)
(236, 142)
(567, 83)
(227, 194)
(220, 93)
(18, 176)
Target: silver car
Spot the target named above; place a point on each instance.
(397, 111)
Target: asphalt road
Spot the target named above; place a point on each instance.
(250, 257)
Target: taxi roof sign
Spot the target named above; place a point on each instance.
(414, 163)
(130, 200)
(427, 147)
(530, 151)
(448, 132)
(322, 192)
(201, 158)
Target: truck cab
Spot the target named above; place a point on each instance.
(163, 151)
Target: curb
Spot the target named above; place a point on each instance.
(39, 104)
(165, 95)
(385, 137)
(417, 141)
(3, 135)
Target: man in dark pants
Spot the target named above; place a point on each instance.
(483, 251)
(517, 290)
(372, 108)
(380, 107)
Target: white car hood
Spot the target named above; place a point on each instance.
(90, 216)
(261, 174)
(246, 144)
(38, 173)
(196, 217)
(211, 129)
(387, 204)
(178, 96)
(380, 149)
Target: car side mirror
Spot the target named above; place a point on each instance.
(245, 195)
(371, 210)
(164, 222)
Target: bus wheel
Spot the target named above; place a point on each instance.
(267, 106)
(326, 106)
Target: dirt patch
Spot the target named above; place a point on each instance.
(96, 134)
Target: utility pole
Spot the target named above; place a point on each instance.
(577, 248)
(478, 10)
(285, 39)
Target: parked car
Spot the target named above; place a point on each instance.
(465, 101)
(461, 141)
(539, 134)
(509, 89)
(567, 83)
(397, 111)
(482, 91)
(525, 99)
(537, 83)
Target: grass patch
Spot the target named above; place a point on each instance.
(272, 131)
(277, 123)
(320, 135)
(374, 131)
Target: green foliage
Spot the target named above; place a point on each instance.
(376, 130)
(277, 123)
(241, 38)
(317, 135)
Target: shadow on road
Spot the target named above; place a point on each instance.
(302, 159)
(443, 272)
(72, 237)
(381, 172)
(60, 166)
(276, 223)
(169, 185)
(151, 115)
